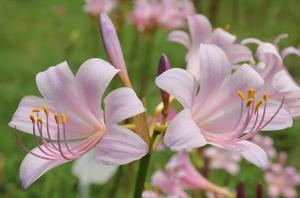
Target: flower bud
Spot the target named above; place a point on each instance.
(113, 48)
(163, 66)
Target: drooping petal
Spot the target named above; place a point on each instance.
(91, 171)
(249, 151)
(289, 51)
(251, 41)
(112, 46)
(181, 37)
(183, 133)
(33, 167)
(121, 104)
(92, 78)
(269, 55)
(120, 146)
(57, 84)
(178, 83)
(200, 29)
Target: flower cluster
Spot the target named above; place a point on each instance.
(227, 93)
(169, 14)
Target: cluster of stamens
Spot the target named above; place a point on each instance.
(252, 117)
(54, 149)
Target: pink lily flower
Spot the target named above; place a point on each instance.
(96, 7)
(220, 113)
(265, 143)
(278, 82)
(70, 121)
(201, 32)
(170, 14)
(223, 159)
(180, 174)
(282, 179)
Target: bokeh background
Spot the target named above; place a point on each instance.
(36, 34)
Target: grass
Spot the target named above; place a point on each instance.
(37, 34)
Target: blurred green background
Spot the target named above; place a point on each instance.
(36, 34)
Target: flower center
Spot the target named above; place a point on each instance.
(59, 149)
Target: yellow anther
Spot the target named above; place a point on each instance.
(227, 27)
(36, 110)
(63, 118)
(249, 102)
(251, 93)
(258, 104)
(46, 110)
(40, 120)
(56, 117)
(265, 96)
(241, 95)
(31, 116)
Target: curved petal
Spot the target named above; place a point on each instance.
(289, 51)
(282, 120)
(178, 83)
(215, 67)
(183, 133)
(120, 146)
(222, 38)
(57, 84)
(239, 53)
(92, 78)
(249, 151)
(200, 29)
(251, 41)
(33, 167)
(121, 104)
(268, 54)
(283, 83)
(253, 153)
(22, 122)
(91, 171)
(181, 37)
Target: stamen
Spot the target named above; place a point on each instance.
(56, 117)
(241, 95)
(31, 116)
(36, 110)
(40, 120)
(251, 93)
(46, 110)
(63, 118)
(265, 96)
(249, 102)
(258, 104)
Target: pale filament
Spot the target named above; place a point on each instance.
(238, 133)
(51, 150)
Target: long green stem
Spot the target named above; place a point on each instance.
(142, 175)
